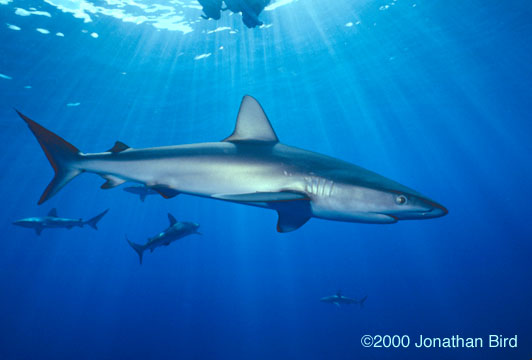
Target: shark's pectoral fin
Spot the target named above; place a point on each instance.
(293, 207)
(292, 215)
(38, 230)
(112, 181)
(165, 191)
(337, 304)
(118, 147)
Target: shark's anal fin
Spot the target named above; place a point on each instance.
(293, 207)
(53, 212)
(252, 124)
(118, 147)
(112, 181)
(172, 219)
(165, 191)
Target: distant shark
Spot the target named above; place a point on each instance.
(340, 299)
(141, 191)
(249, 167)
(53, 221)
(175, 231)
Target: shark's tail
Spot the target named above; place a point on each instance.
(137, 247)
(61, 154)
(361, 302)
(94, 221)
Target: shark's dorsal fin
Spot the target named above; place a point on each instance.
(53, 212)
(172, 219)
(339, 293)
(252, 124)
(119, 146)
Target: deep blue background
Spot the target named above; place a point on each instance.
(436, 96)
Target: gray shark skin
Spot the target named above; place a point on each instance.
(141, 191)
(338, 299)
(177, 230)
(249, 167)
(53, 221)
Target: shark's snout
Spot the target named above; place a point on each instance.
(426, 209)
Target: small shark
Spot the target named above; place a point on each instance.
(175, 231)
(250, 167)
(141, 191)
(53, 221)
(340, 299)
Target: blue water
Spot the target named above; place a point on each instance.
(432, 94)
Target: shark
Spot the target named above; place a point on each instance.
(177, 230)
(250, 167)
(338, 299)
(52, 220)
(141, 191)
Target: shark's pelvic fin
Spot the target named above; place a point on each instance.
(112, 181)
(118, 147)
(252, 124)
(165, 191)
(38, 230)
(61, 154)
(53, 212)
(172, 219)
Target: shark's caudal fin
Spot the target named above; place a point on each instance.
(362, 301)
(137, 247)
(61, 154)
(252, 124)
(94, 221)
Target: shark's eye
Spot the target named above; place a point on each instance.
(400, 200)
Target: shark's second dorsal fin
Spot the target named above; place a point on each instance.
(172, 219)
(119, 146)
(252, 124)
(53, 212)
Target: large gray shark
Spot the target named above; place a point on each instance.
(338, 299)
(53, 221)
(249, 167)
(175, 231)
